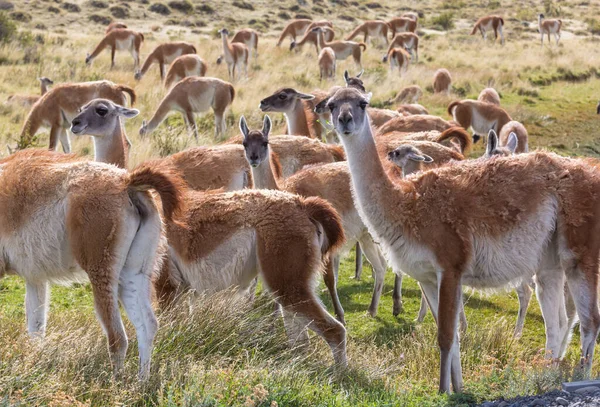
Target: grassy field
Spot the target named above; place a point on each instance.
(210, 352)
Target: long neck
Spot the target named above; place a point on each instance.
(100, 47)
(226, 47)
(161, 112)
(148, 62)
(44, 88)
(112, 149)
(375, 193)
(263, 175)
(296, 120)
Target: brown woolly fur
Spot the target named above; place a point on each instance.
(214, 167)
(276, 231)
(442, 81)
(163, 55)
(410, 109)
(107, 222)
(130, 91)
(489, 95)
(57, 108)
(460, 135)
(417, 122)
(454, 138)
(373, 28)
(342, 49)
(114, 25)
(235, 54)
(184, 66)
(402, 24)
(489, 23)
(521, 133)
(322, 212)
(312, 37)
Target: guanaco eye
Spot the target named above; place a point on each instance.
(282, 96)
(362, 104)
(265, 143)
(245, 144)
(101, 111)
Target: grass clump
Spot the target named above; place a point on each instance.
(160, 8)
(119, 12)
(244, 5)
(71, 7)
(7, 28)
(21, 16)
(445, 21)
(182, 6)
(99, 19)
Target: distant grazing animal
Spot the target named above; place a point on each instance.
(246, 36)
(411, 15)
(402, 24)
(409, 94)
(115, 25)
(549, 27)
(410, 109)
(519, 131)
(489, 95)
(235, 55)
(298, 27)
(194, 95)
(442, 81)
(374, 28)
(29, 100)
(554, 196)
(481, 116)
(68, 219)
(327, 63)
(494, 148)
(400, 59)
(119, 39)
(184, 66)
(488, 23)
(57, 108)
(312, 37)
(408, 41)
(414, 123)
(327, 181)
(342, 49)
(163, 55)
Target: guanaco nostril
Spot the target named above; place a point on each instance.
(76, 122)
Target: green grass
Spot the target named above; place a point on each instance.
(211, 352)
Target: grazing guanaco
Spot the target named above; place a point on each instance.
(398, 58)
(246, 36)
(412, 108)
(184, 66)
(550, 232)
(119, 39)
(163, 55)
(342, 49)
(194, 95)
(408, 41)
(298, 27)
(489, 23)
(489, 95)
(68, 219)
(330, 182)
(481, 116)
(414, 123)
(519, 131)
(312, 37)
(29, 100)
(548, 27)
(326, 64)
(61, 104)
(373, 28)
(402, 24)
(235, 55)
(115, 25)
(409, 94)
(442, 81)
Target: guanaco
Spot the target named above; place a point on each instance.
(246, 36)
(184, 66)
(235, 55)
(29, 100)
(402, 24)
(298, 27)
(342, 49)
(549, 27)
(408, 41)
(488, 23)
(163, 55)
(120, 39)
(373, 28)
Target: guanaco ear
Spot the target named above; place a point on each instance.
(512, 142)
(244, 127)
(127, 113)
(305, 96)
(266, 126)
(492, 143)
(360, 73)
(427, 158)
(419, 157)
(346, 76)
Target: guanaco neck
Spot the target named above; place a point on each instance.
(263, 175)
(44, 87)
(149, 61)
(296, 120)
(375, 192)
(108, 40)
(113, 148)
(227, 50)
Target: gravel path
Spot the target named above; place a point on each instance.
(586, 397)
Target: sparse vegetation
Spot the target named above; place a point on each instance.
(20, 16)
(7, 28)
(243, 5)
(98, 4)
(119, 12)
(182, 6)
(71, 7)
(445, 21)
(99, 19)
(160, 8)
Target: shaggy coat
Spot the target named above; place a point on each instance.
(489, 95)
(184, 66)
(413, 123)
(442, 81)
(481, 116)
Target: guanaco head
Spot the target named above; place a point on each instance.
(219, 59)
(88, 59)
(144, 128)
(256, 142)
(321, 107)
(45, 81)
(224, 32)
(348, 111)
(138, 74)
(541, 16)
(100, 117)
(355, 82)
(409, 158)
(493, 148)
(283, 100)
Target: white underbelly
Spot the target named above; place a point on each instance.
(124, 44)
(343, 54)
(201, 103)
(480, 124)
(172, 57)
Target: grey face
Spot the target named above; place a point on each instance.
(283, 100)
(348, 111)
(256, 142)
(403, 154)
(99, 117)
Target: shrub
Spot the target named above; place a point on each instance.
(373, 5)
(98, 19)
(7, 28)
(20, 16)
(54, 10)
(444, 20)
(98, 4)
(70, 7)
(119, 12)
(243, 5)
(283, 15)
(551, 9)
(346, 17)
(160, 8)
(183, 6)
(593, 25)
(205, 8)
(6, 5)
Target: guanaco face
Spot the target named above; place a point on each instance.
(283, 100)
(100, 117)
(256, 143)
(407, 156)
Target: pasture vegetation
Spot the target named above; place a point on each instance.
(214, 353)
